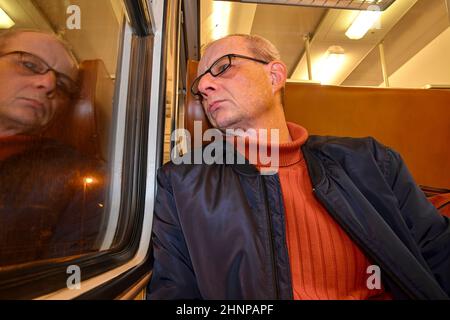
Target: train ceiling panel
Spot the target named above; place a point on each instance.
(337, 4)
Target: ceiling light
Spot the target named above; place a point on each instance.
(363, 23)
(5, 21)
(330, 64)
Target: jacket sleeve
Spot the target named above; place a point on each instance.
(430, 229)
(173, 275)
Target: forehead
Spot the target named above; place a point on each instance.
(237, 45)
(45, 47)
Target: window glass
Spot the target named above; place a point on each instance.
(54, 146)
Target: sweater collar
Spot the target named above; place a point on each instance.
(290, 152)
(12, 145)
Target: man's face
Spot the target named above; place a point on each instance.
(241, 96)
(29, 102)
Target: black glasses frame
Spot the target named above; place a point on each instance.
(71, 90)
(194, 87)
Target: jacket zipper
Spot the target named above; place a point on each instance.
(269, 222)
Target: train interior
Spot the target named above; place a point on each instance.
(390, 82)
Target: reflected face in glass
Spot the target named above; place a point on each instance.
(239, 97)
(31, 94)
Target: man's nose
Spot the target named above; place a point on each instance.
(46, 82)
(207, 84)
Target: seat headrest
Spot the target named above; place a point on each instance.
(85, 124)
(193, 110)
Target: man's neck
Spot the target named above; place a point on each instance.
(7, 133)
(8, 128)
(272, 130)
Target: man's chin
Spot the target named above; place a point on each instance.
(223, 123)
(28, 124)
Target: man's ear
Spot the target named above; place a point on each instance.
(278, 74)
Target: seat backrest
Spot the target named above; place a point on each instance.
(193, 110)
(414, 122)
(85, 125)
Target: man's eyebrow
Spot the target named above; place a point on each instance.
(60, 72)
(206, 67)
(201, 71)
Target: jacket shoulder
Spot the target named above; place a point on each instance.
(333, 145)
(316, 141)
(216, 157)
(365, 151)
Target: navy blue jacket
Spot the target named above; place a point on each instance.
(219, 230)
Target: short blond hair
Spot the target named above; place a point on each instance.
(6, 35)
(262, 48)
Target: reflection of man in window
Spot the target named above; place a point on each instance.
(49, 203)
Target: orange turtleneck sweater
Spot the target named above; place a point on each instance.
(325, 263)
(12, 145)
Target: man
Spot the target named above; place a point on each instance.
(341, 219)
(38, 77)
(46, 207)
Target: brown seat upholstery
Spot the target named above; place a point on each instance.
(86, 124)
(415, 122)
(442, 203)
(194, 110)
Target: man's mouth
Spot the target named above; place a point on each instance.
(214, 106)
(34, 103)
(38, 106)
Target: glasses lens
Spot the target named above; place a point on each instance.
(31, 64)
(217, 68)
(194, 87)
(67, 86)
(220, 66)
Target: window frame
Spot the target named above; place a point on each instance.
(140, 147)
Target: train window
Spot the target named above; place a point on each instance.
(54, 200)
(330, 45)
(70, 181)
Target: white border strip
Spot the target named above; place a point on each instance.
(116, 172)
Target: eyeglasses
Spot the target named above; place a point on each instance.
(28, 64)
(217, 68)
